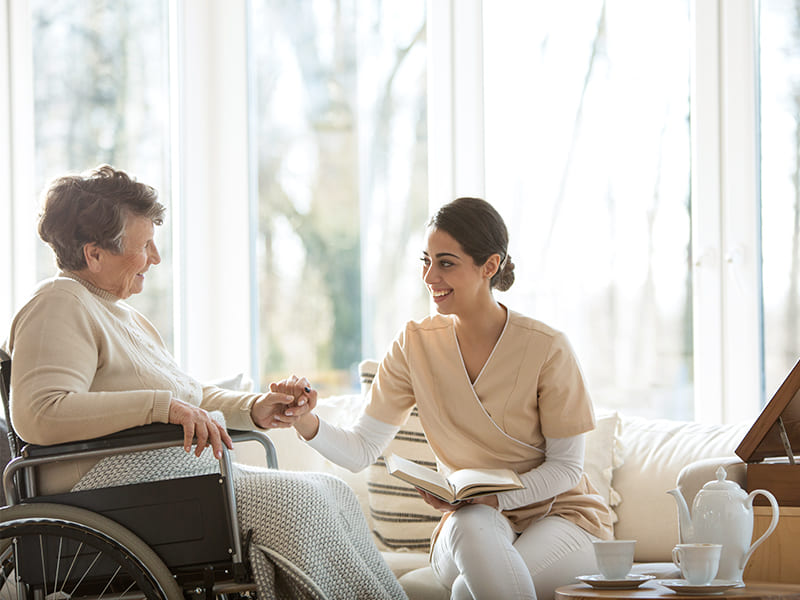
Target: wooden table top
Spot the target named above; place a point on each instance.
(652, 591)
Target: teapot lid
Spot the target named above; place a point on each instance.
(721, 483)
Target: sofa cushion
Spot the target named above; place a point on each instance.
(400, 518)
(654, 452)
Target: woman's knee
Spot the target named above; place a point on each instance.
(473, 523)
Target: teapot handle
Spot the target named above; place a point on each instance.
(772, 524)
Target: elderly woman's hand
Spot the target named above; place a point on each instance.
(197, 423)
(287, 401)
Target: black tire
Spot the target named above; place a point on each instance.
(56, 547)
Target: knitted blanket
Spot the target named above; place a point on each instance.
(310, 539)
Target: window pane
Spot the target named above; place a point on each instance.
(339, 101)
(780, 186)
(100, 92)
(588, 159)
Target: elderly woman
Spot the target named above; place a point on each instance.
(86, 364)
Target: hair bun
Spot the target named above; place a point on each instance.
(505, 276)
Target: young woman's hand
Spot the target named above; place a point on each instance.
(438, 503)
(443, 506)
(287, 401)
(298, 412)
(487, 500)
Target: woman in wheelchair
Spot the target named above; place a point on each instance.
(86, 364)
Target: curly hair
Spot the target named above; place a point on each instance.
(481, 231)
(93, 207)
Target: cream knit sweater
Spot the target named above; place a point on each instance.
(86, 364)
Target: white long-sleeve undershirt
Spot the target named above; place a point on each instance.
(357, 448)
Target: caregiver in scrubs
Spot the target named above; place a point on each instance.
(494, 388)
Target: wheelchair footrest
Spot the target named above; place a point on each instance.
(183, 520)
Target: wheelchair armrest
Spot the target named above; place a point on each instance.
(135, 439)
(144, 435)
(155, 433)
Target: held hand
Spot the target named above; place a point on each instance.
(285, 403)
(197, 423)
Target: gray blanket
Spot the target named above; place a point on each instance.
(310, 539)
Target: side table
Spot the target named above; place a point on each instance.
(775, 559)
(653, 591)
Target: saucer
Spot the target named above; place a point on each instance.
(716, 586)
(600, 582)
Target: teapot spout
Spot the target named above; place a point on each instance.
(685, 527)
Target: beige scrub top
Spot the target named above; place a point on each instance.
(530, 387)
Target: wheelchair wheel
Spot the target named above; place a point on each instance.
(60, 552)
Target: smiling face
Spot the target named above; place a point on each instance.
(458, 286)
(123, 274)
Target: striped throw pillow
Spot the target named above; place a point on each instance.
(401, 519)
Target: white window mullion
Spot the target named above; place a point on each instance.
(177, 10)
(725, 223)
(741, 249)
(214, 184)
(7, 231)
(441, 135)
(20, 181)
(706, 207)
(469, 144)
(455, 100)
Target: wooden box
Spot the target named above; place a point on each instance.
(772, 445)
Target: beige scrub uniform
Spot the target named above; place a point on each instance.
(530, 388)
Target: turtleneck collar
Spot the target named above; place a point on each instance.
(108, 296)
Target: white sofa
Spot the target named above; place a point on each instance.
(633, 461)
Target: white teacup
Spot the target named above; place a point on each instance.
(698, 562)
(614, 558)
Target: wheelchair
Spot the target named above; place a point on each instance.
(162, 540)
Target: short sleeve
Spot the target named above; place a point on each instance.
(565, 408)
(391, 396)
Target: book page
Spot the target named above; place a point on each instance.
(419, 476)
(477, 481)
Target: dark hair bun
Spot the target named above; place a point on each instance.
(504, 278)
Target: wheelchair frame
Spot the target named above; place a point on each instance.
(19, 485)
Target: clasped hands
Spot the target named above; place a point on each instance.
(281, 407)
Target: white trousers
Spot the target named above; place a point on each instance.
(479, 557)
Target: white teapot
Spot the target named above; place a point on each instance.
(722, 513)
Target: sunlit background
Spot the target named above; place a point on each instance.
(587, 128)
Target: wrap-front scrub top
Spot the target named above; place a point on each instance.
(531, 387)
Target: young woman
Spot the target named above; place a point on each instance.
(494, 389)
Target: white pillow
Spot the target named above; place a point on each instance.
(237, 383)
(603, 455)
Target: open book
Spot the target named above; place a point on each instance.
(459, 485)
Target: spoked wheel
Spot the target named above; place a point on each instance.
(59, 552)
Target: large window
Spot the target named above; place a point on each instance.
(339, 105)
(644, 158)
(588, 157)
